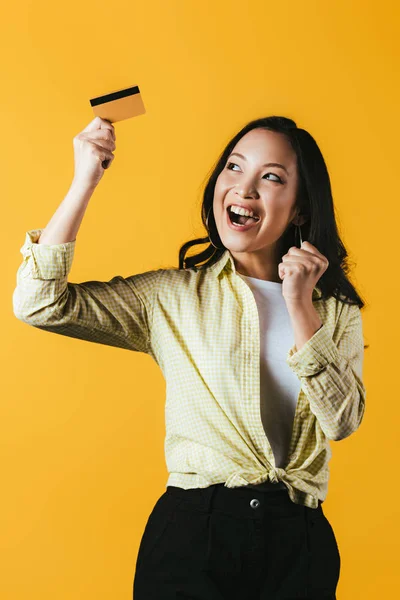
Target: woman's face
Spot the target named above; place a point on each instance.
(269, 191)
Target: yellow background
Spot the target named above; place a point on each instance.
(82, 454)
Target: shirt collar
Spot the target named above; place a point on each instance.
(226, 264)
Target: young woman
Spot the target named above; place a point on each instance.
(263, 366)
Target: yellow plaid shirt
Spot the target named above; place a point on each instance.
(202, 329)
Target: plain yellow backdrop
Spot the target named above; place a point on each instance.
(82, 425)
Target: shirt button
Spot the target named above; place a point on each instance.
(254, 503)
(303, 414)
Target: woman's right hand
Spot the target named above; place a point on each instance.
(93, 151)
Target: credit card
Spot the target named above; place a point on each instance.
(119, 105)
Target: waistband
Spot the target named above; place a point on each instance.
(268, 486)
(247, 502)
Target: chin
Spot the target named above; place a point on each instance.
(237, 245)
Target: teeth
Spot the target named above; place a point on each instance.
(242, 211)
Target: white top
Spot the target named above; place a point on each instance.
(279, 385)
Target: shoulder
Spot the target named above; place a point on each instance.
(167, 275)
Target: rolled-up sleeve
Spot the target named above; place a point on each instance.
(331, 376)
(115, 313)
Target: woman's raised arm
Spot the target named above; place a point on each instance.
(116, 312)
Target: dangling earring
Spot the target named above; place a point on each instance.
(209, 231)
(299, 231)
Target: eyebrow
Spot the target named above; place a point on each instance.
(266, 165)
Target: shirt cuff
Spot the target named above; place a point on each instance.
(47, 261)
(314, 355)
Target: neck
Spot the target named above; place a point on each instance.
(252, 264)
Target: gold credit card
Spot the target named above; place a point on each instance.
(119, 105)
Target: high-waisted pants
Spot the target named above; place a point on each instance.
(247, 543)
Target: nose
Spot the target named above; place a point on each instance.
(245, 190)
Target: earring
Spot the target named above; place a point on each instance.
(299, 231)
(209, 231)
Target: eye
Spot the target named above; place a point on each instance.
(274, 174)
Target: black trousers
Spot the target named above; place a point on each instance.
(220, 543)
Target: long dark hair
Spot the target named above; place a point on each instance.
(314, 199)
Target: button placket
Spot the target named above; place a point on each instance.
(256, 547)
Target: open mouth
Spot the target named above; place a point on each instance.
(241, 221)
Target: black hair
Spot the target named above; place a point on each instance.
(315, 202)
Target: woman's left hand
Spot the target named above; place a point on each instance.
(300, 270)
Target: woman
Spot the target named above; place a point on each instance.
(263, 367)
